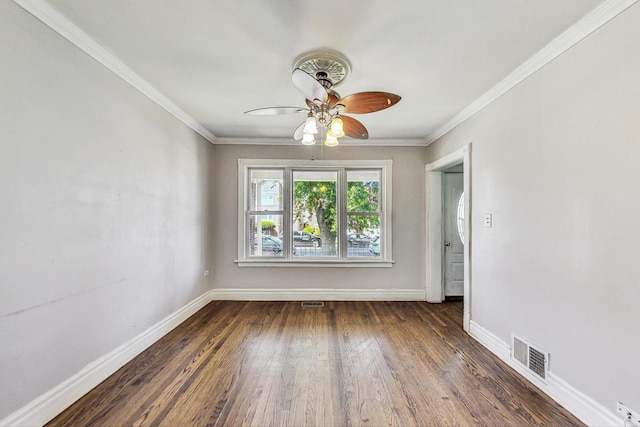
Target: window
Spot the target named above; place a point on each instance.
(460, 218)
(314, 212)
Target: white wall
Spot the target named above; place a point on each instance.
(557, 162)
(105, 210)
(408, 223)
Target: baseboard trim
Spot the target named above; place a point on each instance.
(318, 294)
(579, 404)
(48, 405)
(494, 344)
(466, 321)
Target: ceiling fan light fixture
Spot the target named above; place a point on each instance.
(310, 125)
(308, 139)
(331, 140)
(315, 74)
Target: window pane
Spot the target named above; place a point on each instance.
(460, 218)
(363, 191)
(363, 235)
(315, 221)
(264, 235)
(266, 190)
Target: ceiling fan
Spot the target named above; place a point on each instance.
(315, 75)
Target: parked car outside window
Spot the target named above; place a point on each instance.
(304, 238)
(358, 240)
(271, 244)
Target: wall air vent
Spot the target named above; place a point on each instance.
(312, 304)
(530, 357)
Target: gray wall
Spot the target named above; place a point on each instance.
(555, 160)
(105, 210)
(408, 223)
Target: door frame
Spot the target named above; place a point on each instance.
(434, 237)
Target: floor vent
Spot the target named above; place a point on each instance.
(312, 304)
(531, 357)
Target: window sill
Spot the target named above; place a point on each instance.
(314, 263)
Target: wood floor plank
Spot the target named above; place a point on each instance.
(346, 364)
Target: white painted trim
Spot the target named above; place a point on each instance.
(569, 38)
(347, 142)
(45, 407)
(235, 294)
(494, 344)
(468, 236)
(466, 320)
(350, 263)
(434, 279)
(67, 29)
(579, 404)
(280, 163)
(454, 158)
(434, 236)
(288, 165)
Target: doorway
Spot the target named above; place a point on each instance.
(435, 239)
(453, 231)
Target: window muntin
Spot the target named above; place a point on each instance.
(354, 198)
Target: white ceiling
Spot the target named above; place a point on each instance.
(216, 59)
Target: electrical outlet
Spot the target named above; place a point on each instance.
(628, 414)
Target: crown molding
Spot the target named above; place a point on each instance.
(381, 142)
(63, 26)
(569, 38)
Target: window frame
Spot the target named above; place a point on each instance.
(385, 259)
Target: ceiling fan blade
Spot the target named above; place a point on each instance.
(354, 128)
(274, 111)
(308, 86)
(297, 134)
(333, 98)
(368, 102)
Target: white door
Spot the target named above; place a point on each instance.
(453, 187)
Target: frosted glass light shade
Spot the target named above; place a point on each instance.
(308, 139)
(310, 125)
(331, 140)
(337, 128)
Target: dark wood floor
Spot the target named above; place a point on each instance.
(347, 364)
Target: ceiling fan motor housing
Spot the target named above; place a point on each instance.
(323, 78)
(329, 67)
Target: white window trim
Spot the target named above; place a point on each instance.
(386, 255)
